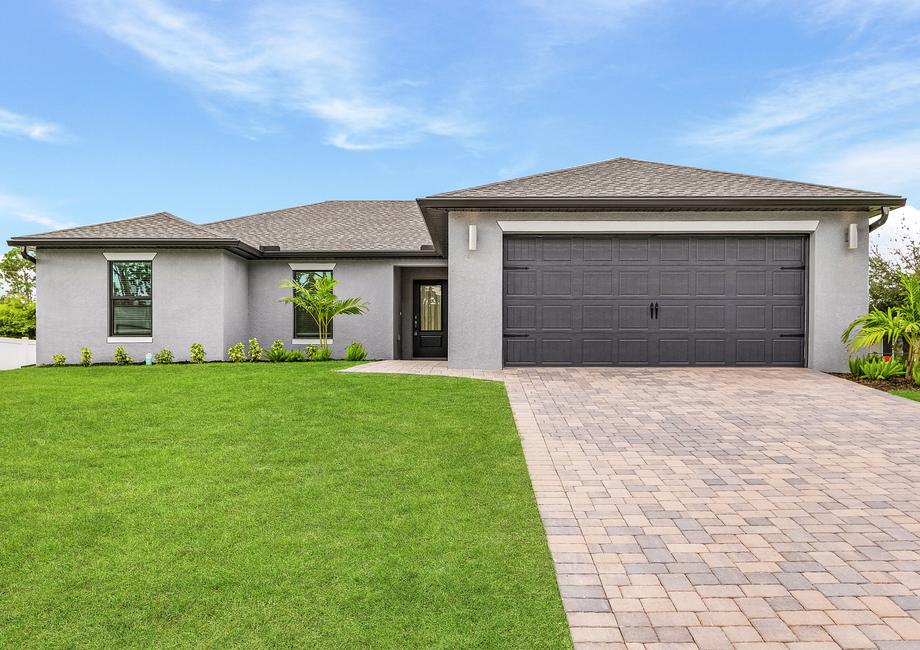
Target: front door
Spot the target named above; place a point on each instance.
(429, 318)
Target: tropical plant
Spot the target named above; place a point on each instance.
(58, 360)
(196, 353)
(255, 350)
(236, 352)
(916, 374)
(880, 368)
(163, 357)
(899, 322)
(318, 299)
(277, 353)
(355, 352)
(310, 352)
(122, 358)
(321, 353)
(86, 357)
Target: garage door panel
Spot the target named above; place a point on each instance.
(722, 300)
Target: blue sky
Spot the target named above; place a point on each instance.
(219, 108)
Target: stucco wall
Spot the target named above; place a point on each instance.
(73, 306)
(236, 299)
(838, 287)
(372, 280)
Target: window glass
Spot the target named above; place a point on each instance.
(430, 303)
(131, 307)
(304, 325)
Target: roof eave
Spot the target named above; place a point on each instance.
(872, 201)
(232, 245)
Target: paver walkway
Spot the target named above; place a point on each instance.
(720, 508)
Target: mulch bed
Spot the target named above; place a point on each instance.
(887, 385)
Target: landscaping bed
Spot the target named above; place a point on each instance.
(267, 505)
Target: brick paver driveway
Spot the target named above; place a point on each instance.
(718, 508)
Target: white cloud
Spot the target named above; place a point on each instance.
(859, 12)
(891, 166)
(23, 126)
(818, 108)
(315, 59)
(15, 208)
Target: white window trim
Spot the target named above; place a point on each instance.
(129, 257)
(311, 266)
(129, 339)
(308, 341)
(656, 227)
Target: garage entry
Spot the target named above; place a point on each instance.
(654, 300)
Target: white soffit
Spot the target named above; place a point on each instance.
(129, 257)
(652, 227)
(311, 266)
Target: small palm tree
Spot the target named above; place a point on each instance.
(318, 299)
(899, 322)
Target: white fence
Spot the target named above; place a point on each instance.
(15, 353)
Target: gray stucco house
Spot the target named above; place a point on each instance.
(622, 262)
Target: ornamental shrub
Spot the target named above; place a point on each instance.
(196, 353)
(86, 357)
(122, 358)
(255, 350)
(355, 352)
(276, 352)
(163, 357)
(58, 360)
(236, 353)
(322, 353)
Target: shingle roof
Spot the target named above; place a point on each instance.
(354, 226)
(156, 226)
(625, 177)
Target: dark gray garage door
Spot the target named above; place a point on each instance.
(654, 300)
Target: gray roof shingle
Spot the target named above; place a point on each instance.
(625, 177)
(156, 226)
(354, 226)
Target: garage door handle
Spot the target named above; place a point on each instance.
(792, 336)
(656, 311)
(792, 268)
(516, 336)
(651, 310)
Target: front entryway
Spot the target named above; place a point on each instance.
(429, 318)
(615, 300)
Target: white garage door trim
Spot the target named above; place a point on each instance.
(654, 227)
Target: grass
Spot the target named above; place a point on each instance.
(909, 394)
(267, 505)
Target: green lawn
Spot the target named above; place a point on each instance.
(267, 505)
(909, 394)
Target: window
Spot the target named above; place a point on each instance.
(131, 309)
(304, 325)
(430, 307)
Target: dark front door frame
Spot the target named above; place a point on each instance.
(431, 344)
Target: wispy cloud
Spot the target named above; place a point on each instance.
(858, 12)
(891, 165)
(317, 59)
(24, 126)
(818, 108)
(17, 209)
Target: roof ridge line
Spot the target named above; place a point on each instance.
(305, 205)
(537, 175)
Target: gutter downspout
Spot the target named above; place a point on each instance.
(24, 251)
(878, 223)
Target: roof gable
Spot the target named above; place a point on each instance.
(628, 178)
(156, 226)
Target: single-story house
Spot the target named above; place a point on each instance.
(617, 263)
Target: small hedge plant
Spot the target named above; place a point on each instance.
(355, 352)
(58, 360)
(255, 350)
(236, 353)
(278, 354)
(196, 353)
(122, 358)
(86, 357)
(163, 357)
(322, 353)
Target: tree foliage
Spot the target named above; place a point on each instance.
(17, 275)
(885, 288)
(318, 299)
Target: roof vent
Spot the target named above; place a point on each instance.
(270, 249)
(426, 247)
